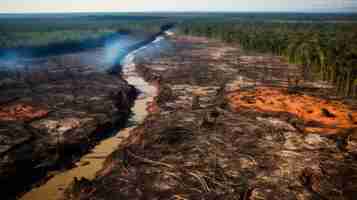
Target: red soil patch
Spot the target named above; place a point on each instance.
(319, 115)
(21, 112)
(153, 108)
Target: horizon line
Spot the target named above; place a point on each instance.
(178, 11)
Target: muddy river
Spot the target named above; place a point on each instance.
(92, 162)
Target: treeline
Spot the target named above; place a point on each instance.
(24, 30)
(327, 51)
(38, 38)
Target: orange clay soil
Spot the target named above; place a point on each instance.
(328, 117)
(153, 108)
(21, 112)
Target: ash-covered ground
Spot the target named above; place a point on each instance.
(205, 140)
(52, 110)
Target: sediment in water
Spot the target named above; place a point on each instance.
(198, 146)
(88, 166)
(83, 106)
(91, 163)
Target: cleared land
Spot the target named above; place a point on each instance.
(54, 109)
(218, 131)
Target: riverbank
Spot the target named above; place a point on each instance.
(200, 142)
(50, 117)
(60, 107)
(88, 166)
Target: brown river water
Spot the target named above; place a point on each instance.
(91, 163)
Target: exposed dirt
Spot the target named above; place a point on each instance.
(198, 145)
(319, 115)
(52, 110)
(21, 112)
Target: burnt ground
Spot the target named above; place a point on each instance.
(54, 109)
(199, 144)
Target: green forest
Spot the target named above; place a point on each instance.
(327, 51)
(29, 31)
(325, 45)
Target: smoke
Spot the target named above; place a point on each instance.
(119, 52)
(8, 59)
(113, 53)
(116, 49)
(10, 63)
(156, 49)
(8, 56)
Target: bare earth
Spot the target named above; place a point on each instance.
(51, 111)
(227, 125)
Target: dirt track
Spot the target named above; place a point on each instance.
(196, 144)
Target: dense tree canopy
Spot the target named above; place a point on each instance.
(327, 51)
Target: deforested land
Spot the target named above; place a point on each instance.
(246, 106)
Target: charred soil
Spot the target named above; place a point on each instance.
(52, 111)
(213, 133)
